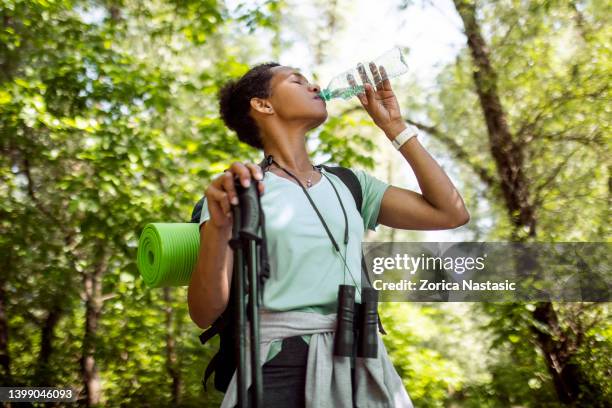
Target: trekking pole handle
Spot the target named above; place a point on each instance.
(249, 209)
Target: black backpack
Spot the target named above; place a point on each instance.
(223, 364)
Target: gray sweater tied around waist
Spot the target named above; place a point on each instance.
(328, 377)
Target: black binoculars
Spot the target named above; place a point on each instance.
(356, 323)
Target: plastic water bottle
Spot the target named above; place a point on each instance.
(345, 85)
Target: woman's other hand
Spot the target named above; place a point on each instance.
(221, 193)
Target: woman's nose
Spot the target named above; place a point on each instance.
(316, 88)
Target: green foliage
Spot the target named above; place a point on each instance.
(342, 143)
(98, 139)
(552, 61)
(108, 121)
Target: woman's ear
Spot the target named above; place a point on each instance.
(261, 105)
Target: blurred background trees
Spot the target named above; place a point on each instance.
(108, 121)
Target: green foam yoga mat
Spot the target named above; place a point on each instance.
(167, 253)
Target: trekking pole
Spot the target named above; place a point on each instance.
(245, 240)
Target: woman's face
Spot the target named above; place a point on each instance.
(294, 98)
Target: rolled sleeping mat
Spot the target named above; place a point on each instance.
(167, 253)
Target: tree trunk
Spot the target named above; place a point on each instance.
(566, 376)
(171, 356)
(508, 156)
(44, 376)
(93, 307)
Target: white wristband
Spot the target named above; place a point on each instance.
(406, 134)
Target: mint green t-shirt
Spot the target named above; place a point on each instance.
(305, 269)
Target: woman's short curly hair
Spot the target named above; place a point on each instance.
(235, 102)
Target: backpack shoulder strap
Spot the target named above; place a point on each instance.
(350, 179)
(210, 368)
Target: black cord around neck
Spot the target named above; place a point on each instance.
(269, 160)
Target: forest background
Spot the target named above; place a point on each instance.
(108, 121)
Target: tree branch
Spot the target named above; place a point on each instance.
(458, 151)
(551, 177)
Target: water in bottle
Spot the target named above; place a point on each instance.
(345, 85)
